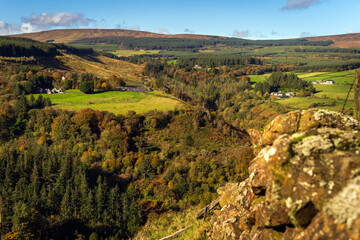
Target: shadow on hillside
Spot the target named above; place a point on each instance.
(91, 58)
(49, 62)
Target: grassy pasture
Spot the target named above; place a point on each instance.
(308, 75)
(258, 78)
(115, 102)
(333, 91)
(304, 103)
(172, 62)
(338, 77)
(324, 93)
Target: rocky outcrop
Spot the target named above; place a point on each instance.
(303, 184)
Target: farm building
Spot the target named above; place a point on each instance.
(319, 81)
(329, 82)
(53, 91)
(131, 89)
(278, 94)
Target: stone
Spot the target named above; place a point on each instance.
(255, 136)
(303, 184)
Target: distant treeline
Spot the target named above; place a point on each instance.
(218, 60)
(24, 47)
(74, 50)
(331, 66)
(181, 44)
(283, 81)
(328, 50)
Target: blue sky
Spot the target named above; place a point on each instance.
(252, 19)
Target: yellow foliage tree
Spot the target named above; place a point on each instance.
(56, 76)
(29, 75)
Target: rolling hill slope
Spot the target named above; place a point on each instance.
(351, 40)
(69, 35)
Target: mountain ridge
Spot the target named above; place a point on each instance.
(69, 35)
(350, 40)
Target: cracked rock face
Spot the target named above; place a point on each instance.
(301, 183)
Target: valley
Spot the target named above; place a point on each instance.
(148, 127)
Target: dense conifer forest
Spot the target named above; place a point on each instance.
(180, 44)
(24, 47)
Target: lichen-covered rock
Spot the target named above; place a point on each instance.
(325, 227)
(287, 123)
(300, 121)
(255, 136)
(236, 194)
(301, 182)
(340, 218)
(270, 213)
(226, 224)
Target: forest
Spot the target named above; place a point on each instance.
(24, 47)
(183, 44)
(91, 173)
(285, 82)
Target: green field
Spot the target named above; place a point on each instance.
(115, 102)
(304, 103)
(172, 62)
(345, 77)
(324, 93)
(258, 78)
(333, 91)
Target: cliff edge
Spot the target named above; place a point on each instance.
(303, 184)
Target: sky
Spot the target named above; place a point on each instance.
(250, 19)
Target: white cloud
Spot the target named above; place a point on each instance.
(28, 28)
(299, 4)
(241, 34)
(162, 31)
(7, 28)
(44, 21)
(63, 19)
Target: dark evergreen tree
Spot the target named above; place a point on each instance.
(87, 87)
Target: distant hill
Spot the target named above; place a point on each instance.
(70, 35)
(351, 40)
